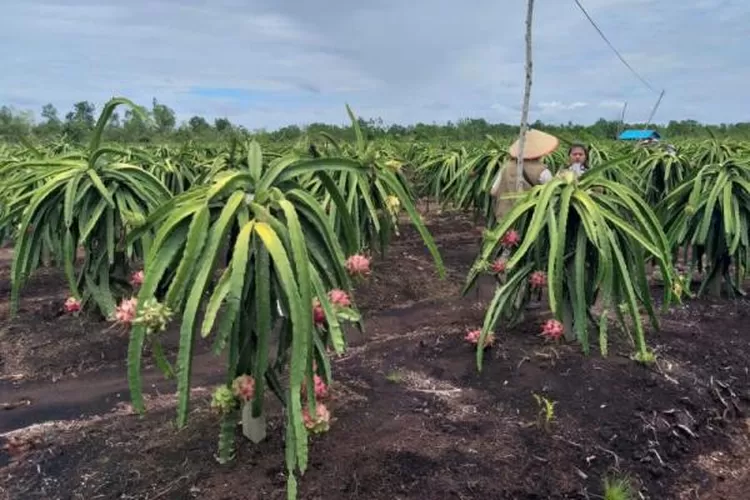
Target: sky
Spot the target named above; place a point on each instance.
(271, 63)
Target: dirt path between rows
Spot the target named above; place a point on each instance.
(99, 392)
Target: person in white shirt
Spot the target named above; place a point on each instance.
(578, 157)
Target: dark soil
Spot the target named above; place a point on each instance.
(413, 417)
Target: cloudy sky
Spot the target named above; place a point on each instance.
(269, 63)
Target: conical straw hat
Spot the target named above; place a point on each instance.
(537, 144)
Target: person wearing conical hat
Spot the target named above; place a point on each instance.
(537, 145)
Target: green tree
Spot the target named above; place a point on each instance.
(164, 117)
(222, 125)
(79, 122)
(14, 124)
(136, 128)
(52, 125)
(198, 125)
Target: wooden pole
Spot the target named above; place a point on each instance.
(526, 97)
(653, 111)
(621, 125)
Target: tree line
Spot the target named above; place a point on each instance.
(159, 124)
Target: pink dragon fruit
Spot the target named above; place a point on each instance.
(510, 239)
(125, 312)
(358, 265)
(552, 329)
(72, 305)
(339, 297)
(244, 387)
(538, 279)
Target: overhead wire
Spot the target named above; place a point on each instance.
(604, 37)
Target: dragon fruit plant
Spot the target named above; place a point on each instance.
(583, 240)
(278, 305)
(88, 200)
(707, 215)
(363, 207)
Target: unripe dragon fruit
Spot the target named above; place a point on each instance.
(393, 204)
(223, 399)
(154, 315)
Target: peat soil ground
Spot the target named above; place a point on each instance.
(413, 418)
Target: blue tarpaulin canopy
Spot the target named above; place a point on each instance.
(638, 135)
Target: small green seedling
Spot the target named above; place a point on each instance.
(394, 377)
(618, 489)
(546, 411)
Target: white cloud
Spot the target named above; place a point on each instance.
(425, 60)
(611, 104)
(557, 106)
